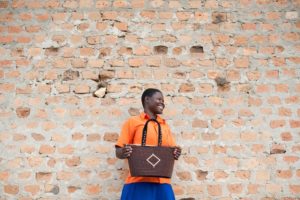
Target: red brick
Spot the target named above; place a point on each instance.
(11, 189)
(249, 26)
(6, 39)
(110, 15)
(248, 136)
(199, 123)
(66, 150)
(92, 189)
(242, 62)
(281, 88)
(6, 17)
(295, 189)
(277, 61)
(4, 175)
(42, 17)
(73, 162)
(294, 123)
(277, 123)
(137, 3)
(259, 39)
(219, 149)
(262, 88)
(120, 4)
(284, 174)
(235, 188)
(184, 175)
(214, 190)
(3, 4)
(183, 16)
(291, 37)
(286, 136)
(23, 112)
(191, 160)
(59, 17)
(186, 88)
(64, 175)
(262, 176)
(43, 176)
(82, 89)
(217, 123)
(148, 14)
(86, 3)
(5, 63)
(15, 29)
(277, 149)
(243, 174)
(33, 189)
(24, 175)
(46, 149)
(136, 62)
(230, 161)
(273, 188)
(110, 137)
(70, 4)
(220, 175)
(274, 74)
(86, 51)
(291, 159)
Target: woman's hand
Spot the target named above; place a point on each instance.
(123, 152)
(177, 152)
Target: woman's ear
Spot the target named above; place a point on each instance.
(147, 100)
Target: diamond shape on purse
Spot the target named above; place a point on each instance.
(153, 160)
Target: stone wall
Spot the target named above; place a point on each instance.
(229, 71)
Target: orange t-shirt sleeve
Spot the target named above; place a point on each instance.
(125, 136)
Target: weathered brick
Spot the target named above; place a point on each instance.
(220, 175)
(4, 175)
(69, 149)
(73, 162)
(295, 189)
(235, 188)
(43, 176)
(23, 112)
(82, 89)
(64, 175)
(186, 88)
(214, 190)
(11, 189)
(92, 189)
(135, 62)
(49, 188)
(33, 189)
(200, 123)
(184, 175)
(180, 47)
(46, 149)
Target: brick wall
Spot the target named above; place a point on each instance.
(229, 71)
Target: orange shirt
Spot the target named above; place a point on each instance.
(132, 134)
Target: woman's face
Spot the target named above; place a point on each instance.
(156, 103)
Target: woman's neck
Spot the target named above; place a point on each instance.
(151, 114)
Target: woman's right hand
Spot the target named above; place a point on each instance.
(123, 152)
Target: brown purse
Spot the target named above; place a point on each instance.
(151, 161)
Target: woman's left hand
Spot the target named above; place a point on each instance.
(177, 152)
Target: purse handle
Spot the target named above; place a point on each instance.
(145, 132)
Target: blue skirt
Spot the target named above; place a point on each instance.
(147, 191)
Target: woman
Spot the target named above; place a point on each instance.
(146, 188)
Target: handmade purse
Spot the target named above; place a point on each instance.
(151, 161)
